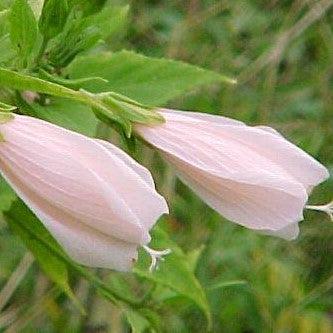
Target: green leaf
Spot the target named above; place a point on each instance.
(144, 320)
(88, 7)
(149, 80)
(53, 18)
(118, 281)
(7, 195)
(22, 222)
(3, 22)
(110, 21)
(74, 39)
(193, 257)
(140, 319)
(175, 273)
(69, 114)
(138, 323)
(23, 28)
(7, 50)
(81, 34)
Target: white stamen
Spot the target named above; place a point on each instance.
(328, 209)
(155, 256)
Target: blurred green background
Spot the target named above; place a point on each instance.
(281, 52)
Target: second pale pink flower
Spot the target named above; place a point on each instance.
(251, 175)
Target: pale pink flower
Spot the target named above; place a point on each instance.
(250, 175)
(94, 199)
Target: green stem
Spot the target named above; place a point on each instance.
(19, 81)
(114, 107)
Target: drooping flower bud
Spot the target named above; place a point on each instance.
(251, 175)
(95, 200)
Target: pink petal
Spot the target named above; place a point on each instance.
(289, 232)
(188, 116)
(84, 244)
(301, 166)
(259, 207)
(147, 214)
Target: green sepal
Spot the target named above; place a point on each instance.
(6, 107)
(110, 114)
(122, 126)
(131, 110)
